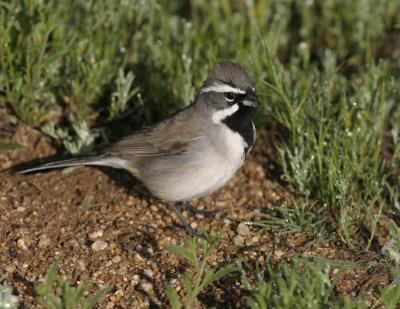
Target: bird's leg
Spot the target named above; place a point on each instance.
(186, 206)
(175, 208)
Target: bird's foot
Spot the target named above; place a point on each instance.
(176, 207)
(194, 211)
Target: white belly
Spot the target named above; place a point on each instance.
(200, 171)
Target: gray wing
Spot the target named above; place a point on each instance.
(170, 137)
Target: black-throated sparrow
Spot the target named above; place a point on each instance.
(194, 152)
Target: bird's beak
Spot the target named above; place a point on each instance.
(252, 99)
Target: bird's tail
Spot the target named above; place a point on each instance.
(84, 160)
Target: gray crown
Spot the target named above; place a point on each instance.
(230, 73)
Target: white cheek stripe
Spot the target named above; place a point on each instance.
(220, 115)
(218, 87)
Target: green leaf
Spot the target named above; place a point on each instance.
(9, 146)
(222, 272)
(187, 282)
(184, 253)
(173, 297)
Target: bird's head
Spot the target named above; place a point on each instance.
(229, 90)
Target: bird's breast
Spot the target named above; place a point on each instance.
(204, 168)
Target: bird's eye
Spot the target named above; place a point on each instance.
(230, 96)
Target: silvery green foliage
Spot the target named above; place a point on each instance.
(77, 142)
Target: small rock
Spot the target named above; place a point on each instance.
(146, 286)
(44, 241)
(238, 240)
(10, 268)
(119, 293)
(243, 229)
(99, 245)
(108, 264)
(150, 250)
(148, 273)
(253, 240)
(226, 221)
(116, 259)
(172, 281)
(96, 234)
(135, 279)
(82, 265)
(193, 225)
(279, 253)
(21, 244)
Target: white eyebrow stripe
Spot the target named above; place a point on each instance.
(221, 114)
(218, 87)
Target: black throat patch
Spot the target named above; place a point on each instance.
(241, 122)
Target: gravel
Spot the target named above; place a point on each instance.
(243, 229)
(99, 245)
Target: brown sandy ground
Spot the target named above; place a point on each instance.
(59, 215)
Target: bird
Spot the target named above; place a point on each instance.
(195, 151)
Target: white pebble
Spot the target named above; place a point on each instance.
(146, 286)
(21, 244)
(279, 253)
(96, 234)
(148, 273)
(116, 259)
(44, 241)
(226, 221)
(238, 240)
(243, 229)
(99, 245)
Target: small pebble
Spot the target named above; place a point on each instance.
(148, 273)
(146, 286)
(150, 250)
(135, 279)
(172, 281)
(96, 234)
(255, 239)
(21, 244)
(200, 216)
(99, 245)
(44, 241)
(82, 265)
(193, 225)
(243, 229)
(10, 268)
(108, 264)
(238, 240)
(279, 253)
(119, 293)
(116, 259)
(226, 221)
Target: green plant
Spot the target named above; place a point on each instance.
(7, 145)
(57, 293)
(122, 94)
(302, 218)
(305, 283)
(297, 285)
(196, 251)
